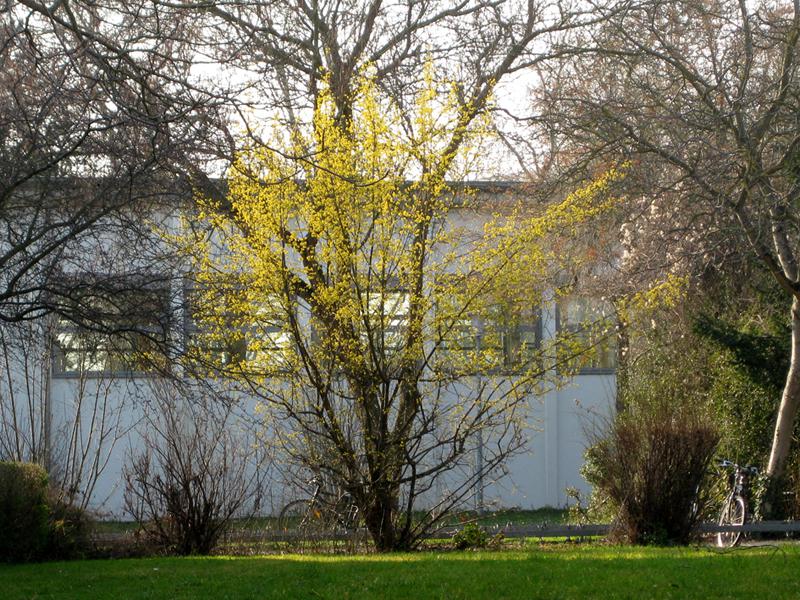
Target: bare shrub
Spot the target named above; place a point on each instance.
(197, 470)
(650, 465)
(75, 437)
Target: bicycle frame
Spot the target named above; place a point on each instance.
(739, 478)
(347, 518)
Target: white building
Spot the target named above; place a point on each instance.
(71, 400)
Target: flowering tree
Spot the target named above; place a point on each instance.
(376, 311)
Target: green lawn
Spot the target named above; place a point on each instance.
(554, 571)
(494, 518)
(539, 516)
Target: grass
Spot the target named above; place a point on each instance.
(513, 516)
(497, 518)
(550, 571)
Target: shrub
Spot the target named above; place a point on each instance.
(594, 508)
(748, 367)
(192, 476)
(69, 530)
(650, 465)
(24, 514)
(471, 535)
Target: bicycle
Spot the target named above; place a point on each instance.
(735, 509)
(324, 512)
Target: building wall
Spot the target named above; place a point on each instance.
(95, 422)
(540, 475)
(95, 431)
(556, 437)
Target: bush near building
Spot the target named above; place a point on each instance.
(35, 524)
(24, 512)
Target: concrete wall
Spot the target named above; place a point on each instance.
(556, 437)
(558, 430)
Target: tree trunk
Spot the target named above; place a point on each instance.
(784, 424)
(379, 519)
(623, 360)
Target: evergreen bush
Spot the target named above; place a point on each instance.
(24, 512)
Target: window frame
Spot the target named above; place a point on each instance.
(192, 329)
(509, 366)
(135, 336)
(610, 350)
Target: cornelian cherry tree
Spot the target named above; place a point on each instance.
(372, 304)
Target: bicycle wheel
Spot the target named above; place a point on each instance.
(733, 513)
(302, 518)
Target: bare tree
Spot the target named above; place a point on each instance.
(86, 137)
(703, 97)
(266, 58)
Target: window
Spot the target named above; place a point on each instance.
(503, 339)
(267, 342)
(587, 335)
(110, 330)
(522, 340)
(388, 314)
(256, 338)
(515, 334)
(463, 336)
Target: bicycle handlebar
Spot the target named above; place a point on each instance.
(750, 469)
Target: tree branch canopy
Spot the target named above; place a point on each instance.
(368, 360)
